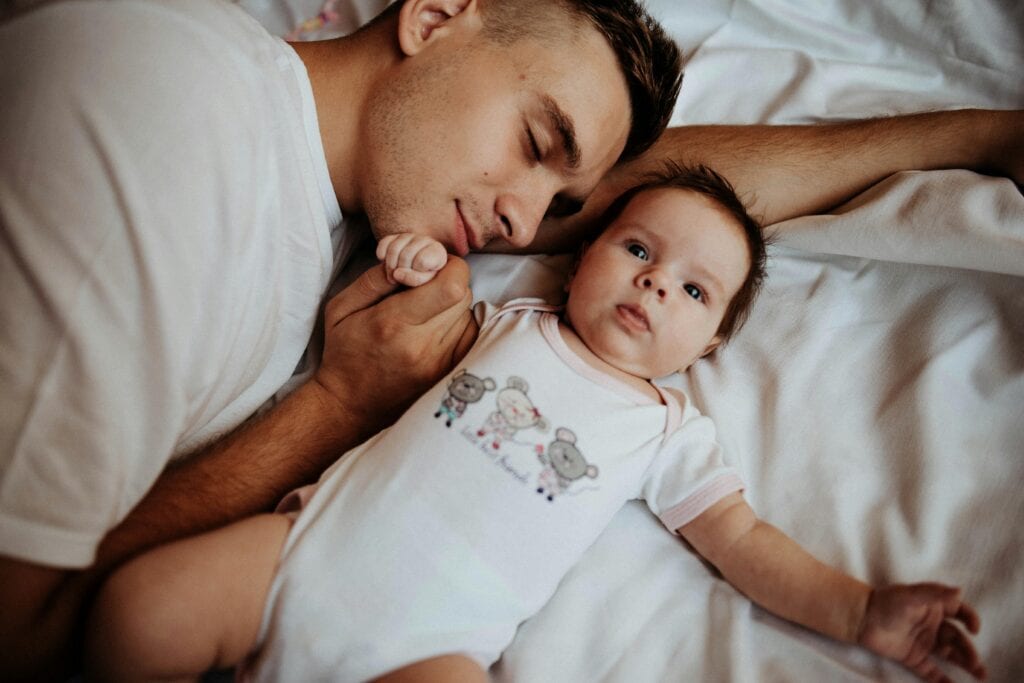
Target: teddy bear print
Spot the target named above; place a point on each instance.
(463, 389)
(515, 412)
(563, 464)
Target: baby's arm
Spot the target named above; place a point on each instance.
(913, 624)
(411, 260)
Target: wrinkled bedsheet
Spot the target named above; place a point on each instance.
(875, 400)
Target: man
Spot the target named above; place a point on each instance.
(173, 180)
(169, 184)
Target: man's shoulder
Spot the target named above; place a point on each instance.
(144, 84)
(135, 47)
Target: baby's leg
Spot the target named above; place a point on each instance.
(443, 669)
(187, 607)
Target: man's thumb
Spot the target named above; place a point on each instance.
(365, 291)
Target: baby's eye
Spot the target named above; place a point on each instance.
(638, 250)
(694, 291)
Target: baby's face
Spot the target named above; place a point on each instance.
(650, 293)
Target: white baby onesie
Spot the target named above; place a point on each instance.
(446, 531)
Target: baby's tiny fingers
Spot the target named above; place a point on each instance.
(956, 647)
(432, 256)
(967, 615)
(927, 671)
(413, 278)
(411, 251)
(395, 250)
(383, 244)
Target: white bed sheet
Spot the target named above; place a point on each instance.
(875, 400)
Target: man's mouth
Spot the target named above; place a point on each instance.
(463, 238)
(633, 317)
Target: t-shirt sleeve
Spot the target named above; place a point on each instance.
(86, 378)
(689, 474)
(92, 338)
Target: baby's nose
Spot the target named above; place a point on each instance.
(651, 282)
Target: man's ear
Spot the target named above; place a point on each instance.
(420, 22)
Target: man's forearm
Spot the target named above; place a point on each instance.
(788, 171)
(246, 472)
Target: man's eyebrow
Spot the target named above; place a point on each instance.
(563, 125)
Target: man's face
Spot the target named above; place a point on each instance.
(473, 141)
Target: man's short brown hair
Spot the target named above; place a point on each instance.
(650, 62)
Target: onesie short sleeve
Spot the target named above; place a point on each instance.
(689, 474)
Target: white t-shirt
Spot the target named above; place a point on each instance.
(168, 231)
(445, 532)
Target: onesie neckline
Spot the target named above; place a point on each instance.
(549, 329)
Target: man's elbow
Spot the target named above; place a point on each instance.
(39, 608)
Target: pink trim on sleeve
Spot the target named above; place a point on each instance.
(296, 499)
(699, 501)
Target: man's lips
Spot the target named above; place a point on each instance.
(464, 238)
(633, 317)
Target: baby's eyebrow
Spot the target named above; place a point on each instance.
(707, 276)
(563, 125)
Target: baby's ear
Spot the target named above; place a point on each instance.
(715, 342)
(712, 345)
(575, 265)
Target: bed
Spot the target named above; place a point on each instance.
(875, 400)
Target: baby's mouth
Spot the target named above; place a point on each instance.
(635, 317)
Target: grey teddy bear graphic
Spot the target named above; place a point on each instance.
(463, 389)
(563, 464)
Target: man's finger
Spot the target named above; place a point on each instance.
(367, 290)
(447, 291)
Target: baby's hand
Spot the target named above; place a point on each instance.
(915, 625)
(411, 260)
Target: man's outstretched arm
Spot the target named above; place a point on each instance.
(379, 356)
(788, 171)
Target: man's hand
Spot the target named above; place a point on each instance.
(411, 260)
(381, 352)
(915, 625)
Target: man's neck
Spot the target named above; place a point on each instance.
(343, 74)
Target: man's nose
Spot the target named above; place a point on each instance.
(518, 214)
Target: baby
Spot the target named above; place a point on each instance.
(418, 554)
